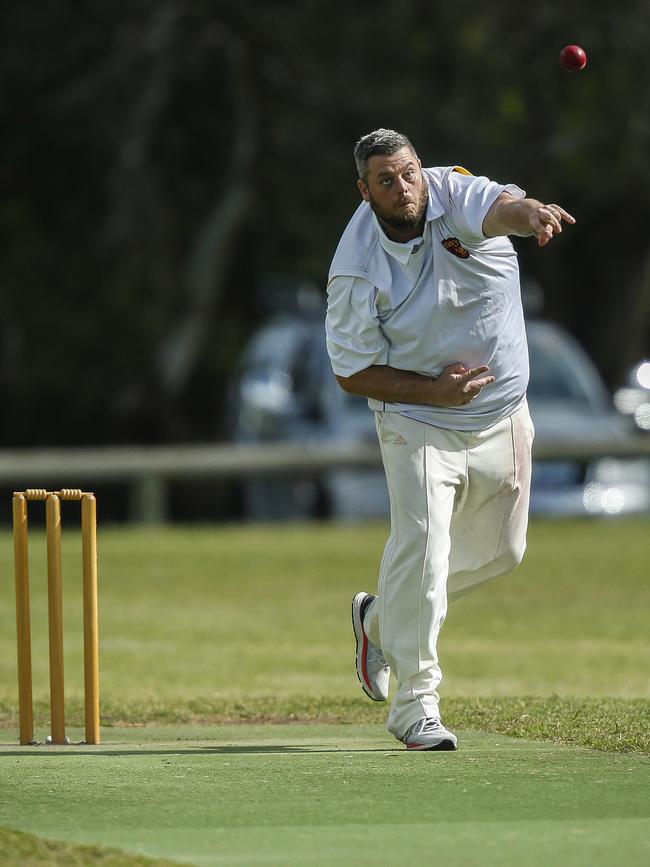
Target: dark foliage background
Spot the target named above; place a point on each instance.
(161, 159)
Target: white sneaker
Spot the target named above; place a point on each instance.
(429, 733)
(372, 669)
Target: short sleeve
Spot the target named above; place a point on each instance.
(354, 336)
(470, 198)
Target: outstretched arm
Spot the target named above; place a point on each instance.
(509, 215)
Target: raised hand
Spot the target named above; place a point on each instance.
(546, 221)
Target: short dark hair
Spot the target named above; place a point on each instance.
(384, 142)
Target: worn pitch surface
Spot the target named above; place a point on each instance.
(331, 795)
(213, 625)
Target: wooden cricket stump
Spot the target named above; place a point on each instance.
(53, 501)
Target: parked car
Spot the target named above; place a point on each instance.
(568, 401)
(284, 390)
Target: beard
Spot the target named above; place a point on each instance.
(408, 219)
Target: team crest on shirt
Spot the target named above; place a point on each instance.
(454, 246)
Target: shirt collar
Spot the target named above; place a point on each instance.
(403, 251)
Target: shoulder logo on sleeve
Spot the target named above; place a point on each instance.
(454, 246)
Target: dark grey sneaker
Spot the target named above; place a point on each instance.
(429, 733)
(372, 669)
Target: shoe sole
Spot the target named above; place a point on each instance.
(445, 746)
(357, 627)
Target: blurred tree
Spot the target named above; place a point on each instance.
(158, 159)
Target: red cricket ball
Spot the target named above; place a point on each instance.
(573, 58)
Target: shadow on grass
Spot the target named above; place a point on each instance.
(47, 752)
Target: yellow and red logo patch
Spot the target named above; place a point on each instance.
(454, 246)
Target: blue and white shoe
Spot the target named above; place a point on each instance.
(372, 669)
(429, 733)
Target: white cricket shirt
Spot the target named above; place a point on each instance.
(450, 296)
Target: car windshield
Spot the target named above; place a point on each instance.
(281, 371)
(560, 370)
(279, 347)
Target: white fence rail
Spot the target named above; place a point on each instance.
(148, 470)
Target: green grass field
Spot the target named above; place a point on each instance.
(235, 731)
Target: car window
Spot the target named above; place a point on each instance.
(560, 370)
(285, 358)
(550, 380)
(275, 347)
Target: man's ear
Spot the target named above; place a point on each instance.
(363, 189)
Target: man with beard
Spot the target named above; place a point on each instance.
(425, 320)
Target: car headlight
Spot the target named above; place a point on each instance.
(615, 485)
(601, 499)
(642, 416)
(642, 374)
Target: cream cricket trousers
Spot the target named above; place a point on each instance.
(459, 514)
